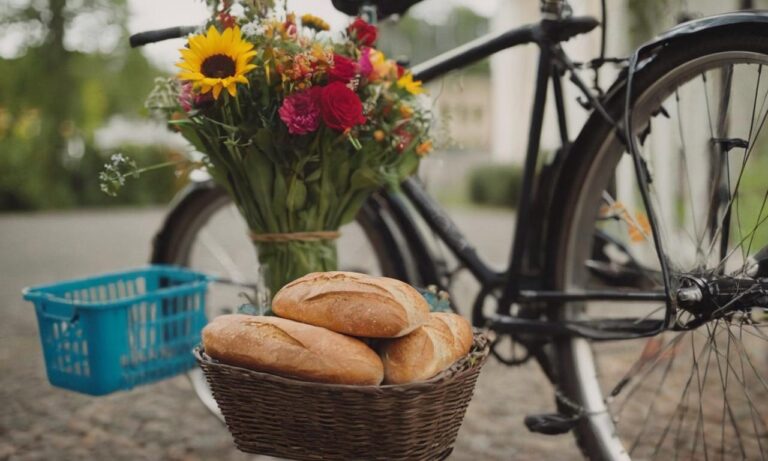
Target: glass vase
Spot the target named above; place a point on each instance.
(284, 262)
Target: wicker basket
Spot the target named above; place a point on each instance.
(283, 417)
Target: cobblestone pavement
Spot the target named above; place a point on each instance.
(165, 421)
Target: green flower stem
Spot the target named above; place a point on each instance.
(158, 166)
(284, 262)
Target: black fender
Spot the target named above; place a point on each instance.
(555, 182)
(180, 205)
(696, 29)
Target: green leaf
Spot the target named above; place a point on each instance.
(279, 197)
(407, 166)
(314, 176)
(297, 196)
(327, 194)
(260, 178)
(353, 207)
(342, 175)
(365, 178)
(264, 142)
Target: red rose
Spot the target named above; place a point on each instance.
(340, 107)
(227, 20)
(343, 70)
(365, 34)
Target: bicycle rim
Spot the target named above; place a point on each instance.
(703, 393)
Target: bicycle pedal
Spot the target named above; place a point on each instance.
(551, 423)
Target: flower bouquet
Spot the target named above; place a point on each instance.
(298, 125)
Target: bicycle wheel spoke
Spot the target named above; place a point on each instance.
(726, 404)
(640, 366)
(754, 413)
(684, 151)
(735, 192)
(657, 392)
(741, 242)
(744, 353)
(753, 410)
(681, 408)
(724, 154)
(759, 217)
(701, 381)
(706, 101)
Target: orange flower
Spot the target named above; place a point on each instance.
(378, 135)
(424, 148)
(381, 67)
(639, 228)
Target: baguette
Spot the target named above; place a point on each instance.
(291, 349)
(353, 304)
(427, 351)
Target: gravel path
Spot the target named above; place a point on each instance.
(164, 421)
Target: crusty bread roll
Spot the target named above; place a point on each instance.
(293, 349)
(427, 351)
(353, 304)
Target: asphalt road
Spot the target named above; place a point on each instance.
(165, 421)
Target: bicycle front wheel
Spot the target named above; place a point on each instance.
(205, 232)
(701, 391)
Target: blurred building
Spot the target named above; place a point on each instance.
(630, 22)
(463, 108)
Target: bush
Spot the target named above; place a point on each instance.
(496, 185)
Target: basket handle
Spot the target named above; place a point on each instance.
(62, 318)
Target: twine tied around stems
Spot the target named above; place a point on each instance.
(310, 236)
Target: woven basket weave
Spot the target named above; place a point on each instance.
(276, 416)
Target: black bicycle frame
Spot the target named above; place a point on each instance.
(515, 281)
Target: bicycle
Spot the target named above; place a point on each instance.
(656, 204)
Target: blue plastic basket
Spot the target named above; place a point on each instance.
(116, 331)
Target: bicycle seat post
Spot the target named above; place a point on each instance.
(368, 13)
(554, 9)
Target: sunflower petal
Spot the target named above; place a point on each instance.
(232, 88)
(216, 91)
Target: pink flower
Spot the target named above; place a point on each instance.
(301, 111)
(186, 96)
(364, 63)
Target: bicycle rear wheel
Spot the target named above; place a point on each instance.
(205, 232)
(701, 392)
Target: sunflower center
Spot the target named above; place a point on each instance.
(218, 66)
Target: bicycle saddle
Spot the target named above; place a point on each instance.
(384, 7)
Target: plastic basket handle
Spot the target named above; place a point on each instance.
(62, 318)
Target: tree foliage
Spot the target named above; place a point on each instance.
(56, 93)
(418, 40)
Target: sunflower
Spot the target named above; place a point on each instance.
(215, 61)
(314, 22)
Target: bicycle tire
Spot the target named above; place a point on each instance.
(577, 372)
(202, 203)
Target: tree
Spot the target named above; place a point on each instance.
(56, 92)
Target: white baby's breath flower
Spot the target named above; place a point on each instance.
(237, 10)
(252, 29)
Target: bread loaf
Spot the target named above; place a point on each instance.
(292, 349)
(427, 351)
(353, 304)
